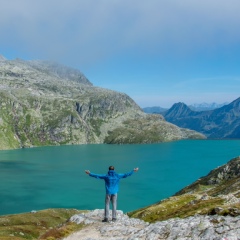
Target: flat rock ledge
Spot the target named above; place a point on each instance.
(194, 228)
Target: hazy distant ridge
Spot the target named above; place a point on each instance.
(223, 122)
(194, 107)
(206, 106)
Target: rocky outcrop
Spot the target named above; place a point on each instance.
(44, 103)
(196, 227)
(218, 193)
(149, 129)
(57, 70)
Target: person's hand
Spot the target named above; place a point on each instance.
(87, 171)
(135, 169)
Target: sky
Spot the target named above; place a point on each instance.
(158, 52)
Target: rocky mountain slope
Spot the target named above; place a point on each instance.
(217, 193)
(220, 123)
(45, 103)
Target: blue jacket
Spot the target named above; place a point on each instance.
(111, 180)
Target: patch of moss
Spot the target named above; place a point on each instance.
(96, 124)
(131, 135)
(7, 134)
(149, 129)
(226, 187)
(28, 120)
(62, 231)
(44, 224)
(181, 206)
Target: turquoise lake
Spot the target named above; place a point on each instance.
(54, 177)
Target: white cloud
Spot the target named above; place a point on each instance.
(161, 35)
(91, 30)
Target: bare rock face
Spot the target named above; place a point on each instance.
(60, 71)
(45, 103)
(195, 227)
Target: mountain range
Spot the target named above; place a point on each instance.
(206, 106)
(220, 123)
(46, 103)
(195, 107)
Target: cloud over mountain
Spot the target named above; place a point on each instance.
(99, 29)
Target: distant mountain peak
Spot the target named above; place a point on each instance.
(222, 122)
(236, 101)
(179, 109)
(180, 104)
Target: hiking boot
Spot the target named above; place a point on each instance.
(105, 220)
(114, 219)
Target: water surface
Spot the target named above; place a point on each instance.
(53, 177)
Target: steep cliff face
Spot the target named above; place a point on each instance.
(44, 103)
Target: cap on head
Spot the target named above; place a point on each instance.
(111, 168)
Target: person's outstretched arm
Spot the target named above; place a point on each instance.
(124, 175)
(99, 176)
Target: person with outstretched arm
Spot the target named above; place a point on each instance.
(111, 184)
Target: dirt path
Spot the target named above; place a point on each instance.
(89, 232)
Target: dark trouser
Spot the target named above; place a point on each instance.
(113, 199)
